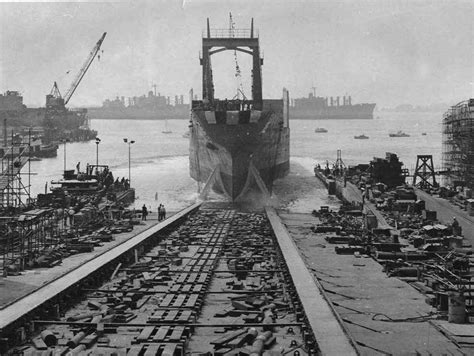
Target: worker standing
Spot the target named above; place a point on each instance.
(144, 212)
(455, 227)
(163, 212)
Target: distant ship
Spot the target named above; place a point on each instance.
(361, 137)
(154, 106)
(399, 134)
(320, 130)
(67, 124)
(316, 108)
(239, 145)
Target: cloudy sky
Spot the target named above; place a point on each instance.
(382, 51)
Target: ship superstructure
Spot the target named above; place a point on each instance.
(152, 106)
(317, 107)
(240, 144)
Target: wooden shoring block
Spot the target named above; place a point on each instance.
(172, 314)
(145, 333)
(156, 317)
(167, 300)
(169, 349)
(161, 333)
(192, 277)
(182, 277)
(197, 288)
(135, 350)
(175, 287)
(152, 350)
(185, 316)
(177, 333)
(191, 302)
(202, 278)
(179, 300)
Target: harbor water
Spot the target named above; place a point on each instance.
(159, 161)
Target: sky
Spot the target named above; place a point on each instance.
(379, 51)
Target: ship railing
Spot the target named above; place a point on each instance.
(224, 105)
(230, 33)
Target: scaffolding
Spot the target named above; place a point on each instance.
(458, 145)
(26, 234)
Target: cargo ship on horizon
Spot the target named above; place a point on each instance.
(322, 108)
(153, 106)
(237, 146)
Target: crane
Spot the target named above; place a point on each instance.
(54, 99)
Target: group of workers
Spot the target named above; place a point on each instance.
(161, 212)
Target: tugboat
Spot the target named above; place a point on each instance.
(320, 130)
(361, 137)
(399, 133)
(240, 145)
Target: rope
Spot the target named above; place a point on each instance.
(238, 72)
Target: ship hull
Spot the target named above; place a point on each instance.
(230, 143)
(357, 111)
(137, 114)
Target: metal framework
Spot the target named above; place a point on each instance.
(26, 237)
(13, 192)
(242, 40)
(425, 172)
(458, 145)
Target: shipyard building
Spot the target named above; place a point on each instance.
(458, 145)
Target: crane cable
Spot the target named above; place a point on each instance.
(238, 73)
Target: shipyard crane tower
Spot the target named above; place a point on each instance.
(56, 116)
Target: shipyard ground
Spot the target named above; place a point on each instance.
(13, 288)
(356, 288)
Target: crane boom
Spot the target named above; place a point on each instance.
(84, 69)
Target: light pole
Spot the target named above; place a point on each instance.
(97, 141)
(65, 141)
(130, 143)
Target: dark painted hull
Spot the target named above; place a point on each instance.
(233, 147)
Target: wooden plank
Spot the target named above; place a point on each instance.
(161, 334)
(177, 333)
(171, 315)
(175, 287)
(182, 277)
(179, 300)
(152, 350)
(156, 317)
(135, 350)
(167, 300)
(192, 277)
(185, 315)
(197, 288)
(145, 333)
(169, 349)
(186, 287)
(202, 278)
(192, 300)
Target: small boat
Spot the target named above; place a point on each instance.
(361, 137)
(399, 134)
(423, 134)
(320, 130)
(166, 130)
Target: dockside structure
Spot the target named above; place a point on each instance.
(458, 145)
